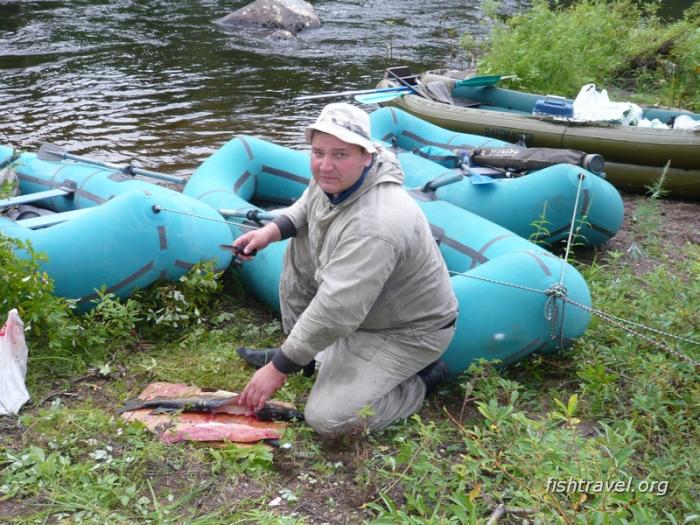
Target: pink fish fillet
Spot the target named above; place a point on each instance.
(214, 431)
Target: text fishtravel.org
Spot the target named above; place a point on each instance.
(569, 485)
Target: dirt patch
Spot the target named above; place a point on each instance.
(680, 222)
(668, 223)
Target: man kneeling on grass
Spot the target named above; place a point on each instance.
(363, 280)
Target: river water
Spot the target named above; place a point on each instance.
(158, 84)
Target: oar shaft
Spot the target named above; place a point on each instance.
(154, 175)
(128, 169)
(355, 92)
(94, 162)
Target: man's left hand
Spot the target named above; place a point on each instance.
(261, 386)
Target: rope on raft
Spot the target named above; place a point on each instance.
(556, 291)
(157, 209)
(551, 311)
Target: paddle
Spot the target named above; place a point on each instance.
(450, 178)
(54, 153)
(478, 178)
(481, 80)
(399, 89)
(478, 81)
(378, 98)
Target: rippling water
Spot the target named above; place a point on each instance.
(157, 83)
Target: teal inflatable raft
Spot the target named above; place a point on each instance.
(509, 290)
(107, 230)
(538, 204)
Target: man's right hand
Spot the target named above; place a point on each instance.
(256, 240)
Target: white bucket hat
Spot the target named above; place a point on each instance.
(345, 122)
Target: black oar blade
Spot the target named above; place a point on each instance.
(51, 152)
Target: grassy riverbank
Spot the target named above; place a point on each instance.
(613, 409)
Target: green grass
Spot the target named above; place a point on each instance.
(620, 45)
(613, 408)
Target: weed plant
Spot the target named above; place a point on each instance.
(619, 44)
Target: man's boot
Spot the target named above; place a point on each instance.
(260, 357)
(434, 375)
(257, 357)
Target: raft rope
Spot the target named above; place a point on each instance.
(157, 209)
(551, 312)
(560, 291)
(569, 240)
(556, 291)
(621, 323)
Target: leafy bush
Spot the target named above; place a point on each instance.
(181, 304)
(610, 43)
(62, 342)
(25, 287)
(685, 84)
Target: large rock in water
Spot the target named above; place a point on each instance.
(292, 15)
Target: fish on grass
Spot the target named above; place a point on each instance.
(271, 411)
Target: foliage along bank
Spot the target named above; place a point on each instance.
(620, 45)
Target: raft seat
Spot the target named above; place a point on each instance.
(34, 197)
(49, 220)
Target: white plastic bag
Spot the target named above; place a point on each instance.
(686, 122)
(591, 105)
(13, 365)
(654, 124)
